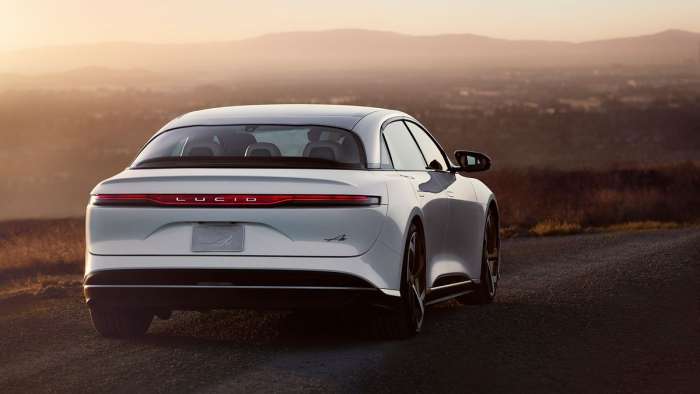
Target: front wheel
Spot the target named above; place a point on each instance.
(407, 319)
(485, 291)
(120, 323)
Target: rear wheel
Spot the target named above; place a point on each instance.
(407, 319)
(120, 323)
(490, 265)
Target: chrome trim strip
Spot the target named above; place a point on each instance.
(466, 282)
(232, 287)
(449, 297)
(390, 292)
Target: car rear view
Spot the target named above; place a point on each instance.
(235, 215)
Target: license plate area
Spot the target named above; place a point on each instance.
(218, 237)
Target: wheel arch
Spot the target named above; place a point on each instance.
(415, 216)
(493, 205)
(486, 198)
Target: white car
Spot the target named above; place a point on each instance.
(290, 206)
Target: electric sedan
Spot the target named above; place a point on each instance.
(290, 206)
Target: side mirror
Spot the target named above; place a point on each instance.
(472, 161)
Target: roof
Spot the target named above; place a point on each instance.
(343, 116)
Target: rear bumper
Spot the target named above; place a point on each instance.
(380, 266)
(196, 289)
(204, 298)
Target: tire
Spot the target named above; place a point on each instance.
(485, 291)
(120, 323)
(406, 320)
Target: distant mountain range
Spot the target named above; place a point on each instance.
(347, 50)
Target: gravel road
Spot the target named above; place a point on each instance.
(588, 313)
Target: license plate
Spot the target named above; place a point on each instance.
(224, 237)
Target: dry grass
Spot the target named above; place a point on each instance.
(554, 227)
(32, 247)
(645, 225)
(44, 286)
(597, 198)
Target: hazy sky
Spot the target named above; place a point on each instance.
(30, 23)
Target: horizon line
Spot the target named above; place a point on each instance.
(346, 29)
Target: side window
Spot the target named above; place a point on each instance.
(385, 156)
(403, 149)
(430, 150)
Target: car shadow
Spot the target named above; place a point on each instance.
(241, 328)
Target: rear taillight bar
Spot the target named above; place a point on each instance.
(233, 200)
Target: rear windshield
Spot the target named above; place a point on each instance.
(249, 146)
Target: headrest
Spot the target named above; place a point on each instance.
(202, 148)
(262, 149)
(235, 144)
(322, 150)
(314, 134)
(349, 150)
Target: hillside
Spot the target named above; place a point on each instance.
(354, 50)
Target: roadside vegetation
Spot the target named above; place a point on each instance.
(38, 253)
(554, 202)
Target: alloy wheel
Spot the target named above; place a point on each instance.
(415, 288)
(491, 254)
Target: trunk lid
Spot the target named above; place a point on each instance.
(339, 231)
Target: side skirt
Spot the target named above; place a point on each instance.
(448, 291)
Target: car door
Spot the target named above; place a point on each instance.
(464, 226)
(456, 188)
(428, 184)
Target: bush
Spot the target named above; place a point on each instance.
(597, 198)
(31, 247)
